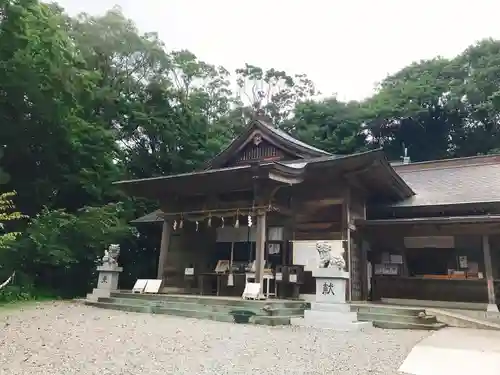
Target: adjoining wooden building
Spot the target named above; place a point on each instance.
(422, 231)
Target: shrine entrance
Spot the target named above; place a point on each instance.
(260, 207)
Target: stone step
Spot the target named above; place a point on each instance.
(462, 319)
(391, 310)
(234, 301)
(329, 324)
(402, 325)
(331, 307)
(207, 306)
(272, 320)
(121, 307)
(348, 317)
(126, 301)
(374, 317)
(236, 317)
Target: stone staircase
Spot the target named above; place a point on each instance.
(396, 317)
(223, 309)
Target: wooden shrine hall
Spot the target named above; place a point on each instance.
(422, 231)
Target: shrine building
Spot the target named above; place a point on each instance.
(427, 231)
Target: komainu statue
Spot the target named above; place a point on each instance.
(111, 255)
(326, 257)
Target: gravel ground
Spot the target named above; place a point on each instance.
(67, 338)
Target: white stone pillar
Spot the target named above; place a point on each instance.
(165, 242)
(492, 306)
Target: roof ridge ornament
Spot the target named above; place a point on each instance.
(260, 115)
(257, 139)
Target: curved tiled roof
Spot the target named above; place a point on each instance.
(453, 181)
(301, 149)
(287, 137)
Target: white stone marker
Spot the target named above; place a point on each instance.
(330, 309)
(109, 273)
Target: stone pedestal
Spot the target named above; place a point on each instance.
(330, 309)
(330, 285)
(107, 282)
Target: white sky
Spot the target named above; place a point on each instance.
(345, 47)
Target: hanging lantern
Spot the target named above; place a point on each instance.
(222, 222)
(209, 222)
(181, 223)
(197, 225)
(174, 225)
(250, 223)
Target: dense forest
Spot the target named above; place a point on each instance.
(86, 101)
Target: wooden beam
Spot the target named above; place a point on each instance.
(315, 226)
(285, 179)
(323, 202)
(282, 209)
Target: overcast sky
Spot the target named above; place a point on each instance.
(345, 47)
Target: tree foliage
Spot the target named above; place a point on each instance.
(88, 100)
(7, 214)
(58, 251)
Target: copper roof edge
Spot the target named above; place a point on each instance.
(469, 161)
(430, 219)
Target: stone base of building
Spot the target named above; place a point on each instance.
(492, 308)
(99, 293)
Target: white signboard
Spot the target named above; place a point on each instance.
(275, 233)
(396, 259)
(153, 286)
(305, 253)
(387, 269)
(252, 291)
(139, 286)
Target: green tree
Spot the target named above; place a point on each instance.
(274, 91)
(329, 124)
(415, 109)
(4, 177)
(7, 214)
(477, 90)
(168, 109)
(54, 155)
(59, 250)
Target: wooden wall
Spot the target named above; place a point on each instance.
(188, 247)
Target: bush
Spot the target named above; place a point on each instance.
(58, 251)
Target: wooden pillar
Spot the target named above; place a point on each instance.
(347, 248)
(492, 307)
(364, 267)
(165, 242)
(260, 246)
